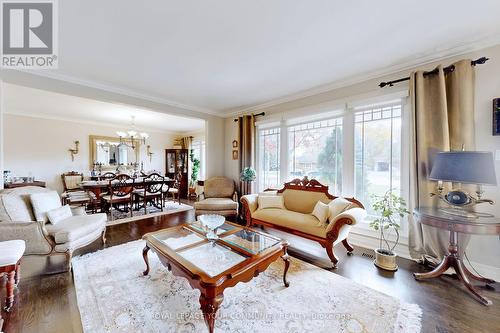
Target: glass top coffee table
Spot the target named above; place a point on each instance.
(238, 255)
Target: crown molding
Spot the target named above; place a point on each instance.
(387, 71)
(87, 122)
(119, 90)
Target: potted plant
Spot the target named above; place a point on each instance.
(195, 170)
(391, 209)
(247, 176)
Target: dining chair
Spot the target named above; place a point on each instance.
(152, 191)
(73, 194)
(120, 191)
(174, 190)
(107, 176)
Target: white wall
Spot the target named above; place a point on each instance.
(40, 146)
(215, 143)
(482, 249)
(1, 135)
(214, 128)
(231, 166)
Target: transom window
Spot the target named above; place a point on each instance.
(357, 154)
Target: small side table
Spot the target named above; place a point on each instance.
(33, 183)
(455, 225)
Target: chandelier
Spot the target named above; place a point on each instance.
(131, 137)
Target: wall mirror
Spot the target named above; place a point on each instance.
(110, 152)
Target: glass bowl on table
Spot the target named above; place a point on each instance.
(210, 223)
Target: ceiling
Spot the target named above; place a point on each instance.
(227, 55)
(52, 105)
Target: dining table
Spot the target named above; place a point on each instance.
(100, 187)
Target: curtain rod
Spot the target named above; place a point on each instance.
(255, 115)
(448, 69)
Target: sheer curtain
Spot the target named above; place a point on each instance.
(443, 120)
(187, 142)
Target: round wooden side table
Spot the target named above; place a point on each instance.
(455, 225)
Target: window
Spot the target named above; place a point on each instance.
(269, 158)
(315, 151)
(198, 147)
(356, 151)
(377, 148)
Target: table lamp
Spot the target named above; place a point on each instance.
(463, 167)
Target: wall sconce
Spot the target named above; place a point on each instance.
(149, 153)
(74, 151)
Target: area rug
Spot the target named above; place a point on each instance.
(114, 296)
(123, 217)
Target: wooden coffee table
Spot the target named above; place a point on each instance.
(238, 255)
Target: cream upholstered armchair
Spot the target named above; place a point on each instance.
(25, 219)
(218, 197)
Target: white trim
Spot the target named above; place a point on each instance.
(391, 97)
(369, 241)
(380, 73)
(315, 117)
(488, 271)
(118, 90)
(88, 122)
(267, 124)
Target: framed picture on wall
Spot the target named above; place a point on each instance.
(235, 154)
(496, 116)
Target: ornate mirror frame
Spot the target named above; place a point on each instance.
(93, 148)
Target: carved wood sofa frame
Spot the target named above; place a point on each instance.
(309, 186)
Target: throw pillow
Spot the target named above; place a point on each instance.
(18, 208)
(78, 211)
(270, 201)
(338, 206)
(58, 214)
(269, 193)
(321, 212)
(43, 202)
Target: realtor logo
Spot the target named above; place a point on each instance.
(29, 34)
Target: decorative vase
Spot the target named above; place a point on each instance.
(210, 223)
(385, 260)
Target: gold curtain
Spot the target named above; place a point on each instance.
(443, 120)
(246, 139)
(186, 142)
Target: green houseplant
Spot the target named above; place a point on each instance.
(391, 208)
(195, 170)
(247, 176)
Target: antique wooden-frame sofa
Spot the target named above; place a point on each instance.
(300, 196)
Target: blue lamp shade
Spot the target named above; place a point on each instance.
(467, 167)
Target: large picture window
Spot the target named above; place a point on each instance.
(269, 158)
(198, 147)
(315, 151)
(356, 151)
(377, 142)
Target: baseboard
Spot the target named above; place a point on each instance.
(488, 271)
(369, 240)
(366, 239)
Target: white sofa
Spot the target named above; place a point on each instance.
(17, 221)
(300, 198)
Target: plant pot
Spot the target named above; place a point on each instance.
(385, 260)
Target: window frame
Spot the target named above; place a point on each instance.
(258, 153)
(347, 113)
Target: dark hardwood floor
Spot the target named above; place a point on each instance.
(48, 303)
